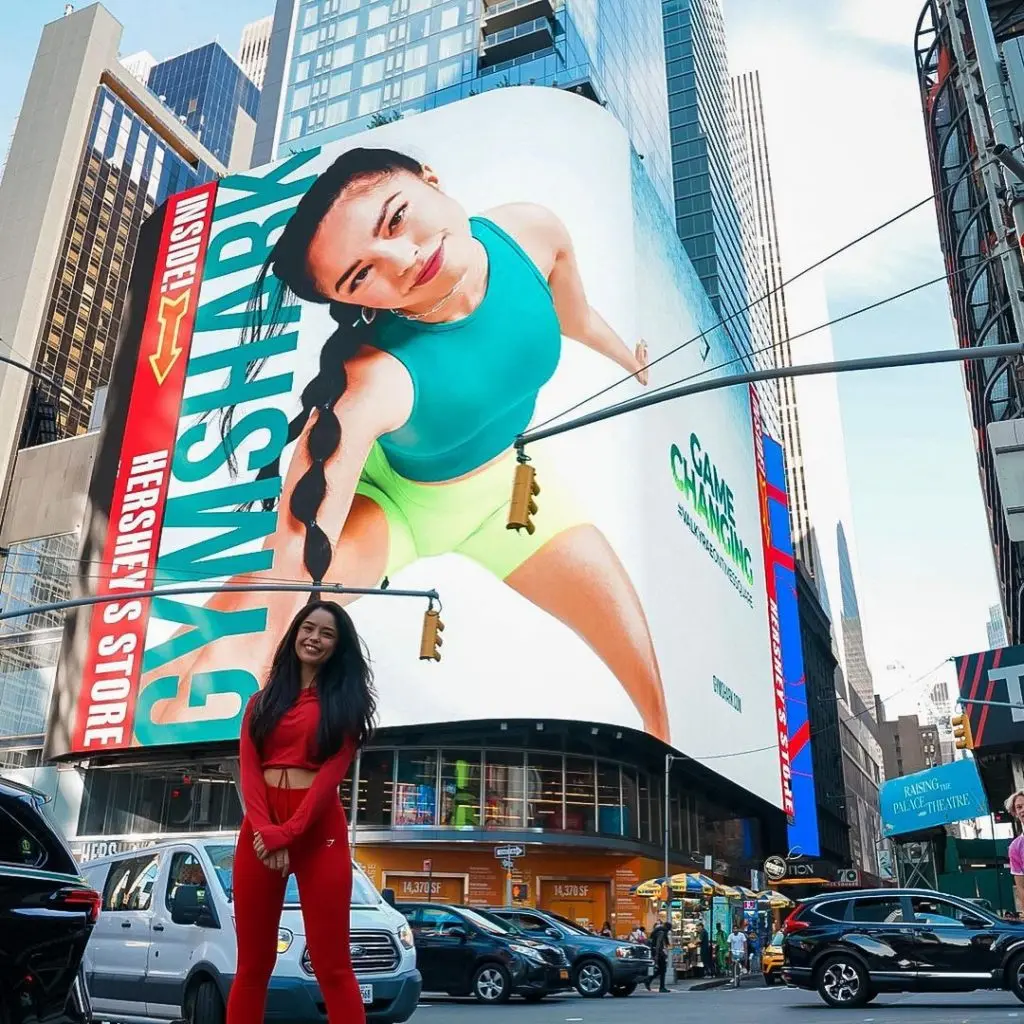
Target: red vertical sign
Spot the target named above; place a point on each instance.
(106, 702)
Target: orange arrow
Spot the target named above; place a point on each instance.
(169, 316)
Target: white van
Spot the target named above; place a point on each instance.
(164, 946)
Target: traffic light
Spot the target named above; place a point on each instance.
(431, 641)
(522, 507)
(962, 732)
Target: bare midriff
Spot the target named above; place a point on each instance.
(288, 778)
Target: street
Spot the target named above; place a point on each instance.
(760, 1004)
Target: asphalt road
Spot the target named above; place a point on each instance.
(763, 1005)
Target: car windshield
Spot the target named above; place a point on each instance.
(486, 924)
(498, 921)
(571, 925)
(223, 857)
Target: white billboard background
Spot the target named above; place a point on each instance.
(503, 657)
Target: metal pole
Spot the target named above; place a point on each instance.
(52, 381)
(668, 768)
(956, 355)
(670, 972)
(207, 588)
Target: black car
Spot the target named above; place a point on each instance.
(47, 913)
(463, 953)
(850, 946)
(599, 965)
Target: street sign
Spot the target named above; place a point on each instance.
(508, 864)
(775, 868)
(509, 852)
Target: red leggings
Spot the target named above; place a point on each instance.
(322, 864)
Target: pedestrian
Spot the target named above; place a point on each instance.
(753, 947)
(606, 930)
(659, 941)
(299, 736)
(1015, 808)
(705, 950)
(639, 935)
(737, 951)
(721, 949)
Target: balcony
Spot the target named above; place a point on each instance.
(506, 14)
(510, 43)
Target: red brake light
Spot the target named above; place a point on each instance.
(793, 923)
(81, 899)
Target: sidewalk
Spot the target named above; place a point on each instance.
(706, 984)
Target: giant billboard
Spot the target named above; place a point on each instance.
(337, 353)
(991, 685)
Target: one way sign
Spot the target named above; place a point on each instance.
(509, 852)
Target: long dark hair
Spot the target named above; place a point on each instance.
(348, 701)
(288, 263)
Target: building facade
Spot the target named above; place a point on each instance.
(338, 67)
(908, 744)
(215, 100)
(996, 628)
(140, 65)
(254, 49)
(94, 152)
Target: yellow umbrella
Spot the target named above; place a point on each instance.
(651, 889)
(776, 900)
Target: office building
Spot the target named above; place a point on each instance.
(254, 49)
(214, 99)
(140, 65)
(908, 744)
(338, 67)
(765, 278)
(975, 221)
(93, 154)
(996, 628)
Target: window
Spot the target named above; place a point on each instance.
(378, 16)
(344, 54)
(504, 785)
(369, 101)
(185, 871)
(609, 809)
(579, 794)
(878, 909)
(450, 17)
(373, 72)
(376, 767)
(300, 97)
(308, 41)
(936, 911)
(419, 5)
(629, 804)
(436, 922)
(449, 74)
(835, 910)
(18, 845)
(545, 791)
(416, 57)
(348, 28)
(532, 925)
(414, 86)
(309, 17)
(337, 111)
(130, 883)
(341, 83)
(416, 788)
(294, 128)
(450, 45)
(377, 43)
(460, 788)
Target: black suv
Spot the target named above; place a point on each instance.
(47, 913)
(599, 965)
(463, 953)
(850, 946)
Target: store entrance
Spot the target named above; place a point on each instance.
(585, 902)
(415, 885)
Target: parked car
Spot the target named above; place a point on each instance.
(851, 946)
(463, 953)
(165, 948)
(47, 913)
(599, 965)
(771, 965)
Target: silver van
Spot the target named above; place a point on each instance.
(164, 947)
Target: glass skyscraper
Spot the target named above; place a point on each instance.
(339, 66)
(707, 168)
(207, 88)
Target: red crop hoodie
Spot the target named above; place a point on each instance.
(291, 745)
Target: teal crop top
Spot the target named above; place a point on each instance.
(475, 380)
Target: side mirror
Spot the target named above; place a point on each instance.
(388, 895)
(190, 906)
(457, 932)
(553, 933)
(974, 923)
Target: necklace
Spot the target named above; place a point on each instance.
(456, 288)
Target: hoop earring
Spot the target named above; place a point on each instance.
(368, 315)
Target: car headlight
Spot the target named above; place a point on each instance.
(405, 936)
(624, 952)
(284, 940)
(528, 951)
(307, 964)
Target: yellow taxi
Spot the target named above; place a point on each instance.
(771, 965)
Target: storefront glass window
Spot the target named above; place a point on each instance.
(610, 820)
(580, 796)
(678, 825)
(629, 804)
(416, 788)
(504, 788)
(460, 788)
(657, 810)
(544, 788)
(644, 806)
(376, 787)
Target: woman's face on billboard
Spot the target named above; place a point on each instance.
(393, 241)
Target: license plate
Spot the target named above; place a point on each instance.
(563, 975)
(366, 991)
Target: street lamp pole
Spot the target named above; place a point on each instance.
(670, 973)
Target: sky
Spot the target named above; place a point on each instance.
(847, 148)
(847, 151)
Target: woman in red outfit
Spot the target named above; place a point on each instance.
(299, 736)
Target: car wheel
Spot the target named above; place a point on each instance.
(621, 991)
(1015, 977)
(593, 979)
(206, 1006)
(491, 984)
(842, 981)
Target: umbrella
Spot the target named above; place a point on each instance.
(693, 884)
(718, 888)
(651, 889)
(775, 900)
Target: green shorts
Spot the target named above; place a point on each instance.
(467, 517)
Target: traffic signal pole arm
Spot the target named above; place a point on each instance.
(957, 355)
